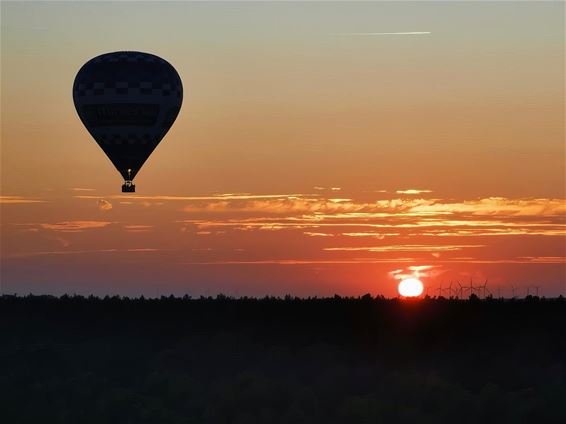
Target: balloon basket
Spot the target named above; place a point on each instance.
(128, 187)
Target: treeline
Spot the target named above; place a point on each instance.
(75, 359)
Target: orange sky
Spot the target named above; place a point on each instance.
(315, 153)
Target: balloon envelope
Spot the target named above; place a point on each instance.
(127, 101)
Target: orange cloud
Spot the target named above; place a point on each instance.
(104, 205)
(498, 206)
(413, 191)
(327, 188)
(215, 197)
(379, 236)
(400, 273)
(416, 271)
(7, 200)
(518, 260)
(305, 261)
(142, 249)
(138, 228)
(75, 226)
(82, 252)
(406, 248)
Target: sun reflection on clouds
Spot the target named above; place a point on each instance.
(413, 191)
(418, 272)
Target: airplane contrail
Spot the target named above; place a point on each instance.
(391, 33)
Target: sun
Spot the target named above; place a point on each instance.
(410, 287)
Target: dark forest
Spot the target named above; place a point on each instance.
(78, 359)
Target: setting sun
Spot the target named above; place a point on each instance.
(410, 287)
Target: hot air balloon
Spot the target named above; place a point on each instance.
(127, 101)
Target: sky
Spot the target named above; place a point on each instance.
(322, 148)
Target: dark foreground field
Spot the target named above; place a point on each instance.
(336, 360)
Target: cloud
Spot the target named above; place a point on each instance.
(320, 208)
(390, 33)
(142, 249)
(398, 274)
(81, 252)
(137, 228)
(427, 227)
(518, 260)
(104, 205)
(483, 232)
(406, 217)
(380, 236)
(413, 191)
(61, 252)
(327, 188)
(7, 200)
(287, 205)
(544, 259)
(497, 206)
(416, 271)
(219, 206)
(419, 268)
(345, 208)
(75, 226)
(222, 196)
(293, 224)
(406, 248)
(305, 261)
(64, 242)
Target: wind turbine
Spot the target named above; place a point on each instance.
(461, 290)
(449, 289)
(484, 288)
